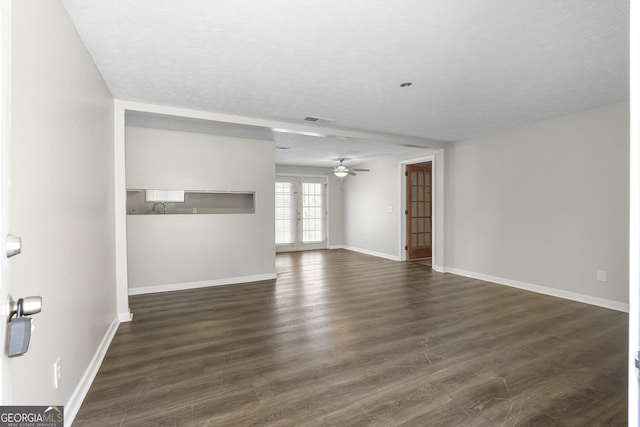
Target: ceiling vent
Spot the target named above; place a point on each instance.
(317, 120)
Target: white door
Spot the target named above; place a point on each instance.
(634, 217)
(300, 213)
(634, 273)
(5, 105)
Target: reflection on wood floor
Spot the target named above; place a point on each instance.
(346, 339)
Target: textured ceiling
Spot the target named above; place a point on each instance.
(476, 66)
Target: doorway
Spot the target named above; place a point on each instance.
(301, 214)
(418, 212)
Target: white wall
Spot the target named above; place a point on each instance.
(167, 252)
(335, 200)
(62, 203)
(374, 208)
(544, 204)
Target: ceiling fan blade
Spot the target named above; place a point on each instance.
(361, 170)
(351, 172)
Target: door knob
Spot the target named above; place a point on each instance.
(30, 305)
(13, 245)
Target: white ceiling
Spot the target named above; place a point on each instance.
(475, 66)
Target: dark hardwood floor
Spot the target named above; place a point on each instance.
(345, 339)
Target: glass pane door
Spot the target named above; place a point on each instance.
(285, 213)
(312, 212)
(300, 213)
(418, 215)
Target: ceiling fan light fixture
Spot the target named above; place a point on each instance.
(340, 171)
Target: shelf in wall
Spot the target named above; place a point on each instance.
(198, 202)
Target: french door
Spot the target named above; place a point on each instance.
(418, 212)
(300, 213)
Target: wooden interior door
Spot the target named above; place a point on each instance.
(418, 211)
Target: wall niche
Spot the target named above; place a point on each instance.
(168, 202)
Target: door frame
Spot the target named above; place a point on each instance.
(437, 230)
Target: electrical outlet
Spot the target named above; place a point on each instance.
(601, 275)
(57, 372)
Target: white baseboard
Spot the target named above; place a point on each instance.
(75, 401)
(373, 253)
(439, 269)
(573, 296)
(200, 284)
(125, 317)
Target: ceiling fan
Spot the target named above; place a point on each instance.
(341, 171)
